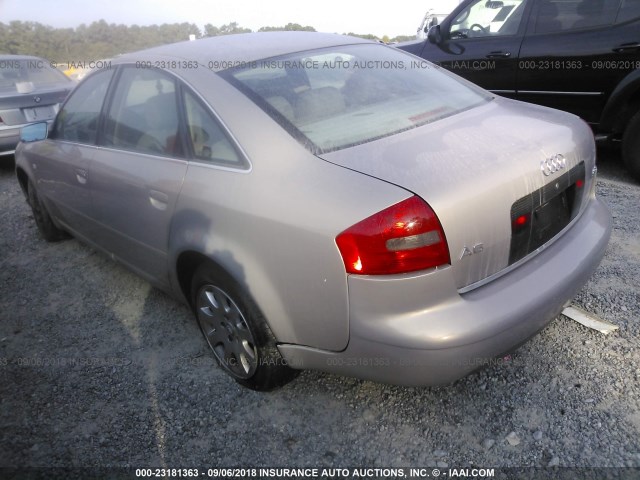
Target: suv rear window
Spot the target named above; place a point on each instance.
(334, 98)
(563, 15)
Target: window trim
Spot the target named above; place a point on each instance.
(106, 105)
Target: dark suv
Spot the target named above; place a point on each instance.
(582, 56)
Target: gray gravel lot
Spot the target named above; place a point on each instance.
(99, 369)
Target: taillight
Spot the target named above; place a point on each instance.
(402, 238)
(521, 222)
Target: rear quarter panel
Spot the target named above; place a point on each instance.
(273, 227)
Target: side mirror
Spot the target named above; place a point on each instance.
(433, 22)
(434, 35)
(34, 132)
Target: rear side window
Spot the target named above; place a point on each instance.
(78, 119)
(564, 15)
(208, 140)
(629, 10)
(143, 116)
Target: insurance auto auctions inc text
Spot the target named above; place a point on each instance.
(366, 473)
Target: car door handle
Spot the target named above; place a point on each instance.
(499, 54)
(625, 47)
(158, 199)
(82, 175)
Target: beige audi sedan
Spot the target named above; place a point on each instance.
(324, 202)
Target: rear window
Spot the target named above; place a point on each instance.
(335, 98)
(563, 15)
(22, 75)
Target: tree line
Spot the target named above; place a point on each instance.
(101, 40)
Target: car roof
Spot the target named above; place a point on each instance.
(246, 47)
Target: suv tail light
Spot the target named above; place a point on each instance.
(402, 238)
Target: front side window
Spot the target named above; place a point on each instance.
(208, 141)
(564, 15)
(78, 119)
(143, 116)
(488, 18)
(334, 98)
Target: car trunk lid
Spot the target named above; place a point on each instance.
(37, 105)
(481, 172)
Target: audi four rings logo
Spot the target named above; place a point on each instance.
(553, 164)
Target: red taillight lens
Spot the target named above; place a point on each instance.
(402, 238)
(521, 222)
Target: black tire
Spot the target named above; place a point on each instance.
(236, 331)
(45, 224)
(631, 146)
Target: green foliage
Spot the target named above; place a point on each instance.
(99, 40)
(385, 38)
(403, 38)
(233, 27)
(367, 36)
(102, 40)
(289, 27)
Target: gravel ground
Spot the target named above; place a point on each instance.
(99, 369)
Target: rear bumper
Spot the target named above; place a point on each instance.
(9, 139)
(417, 330)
